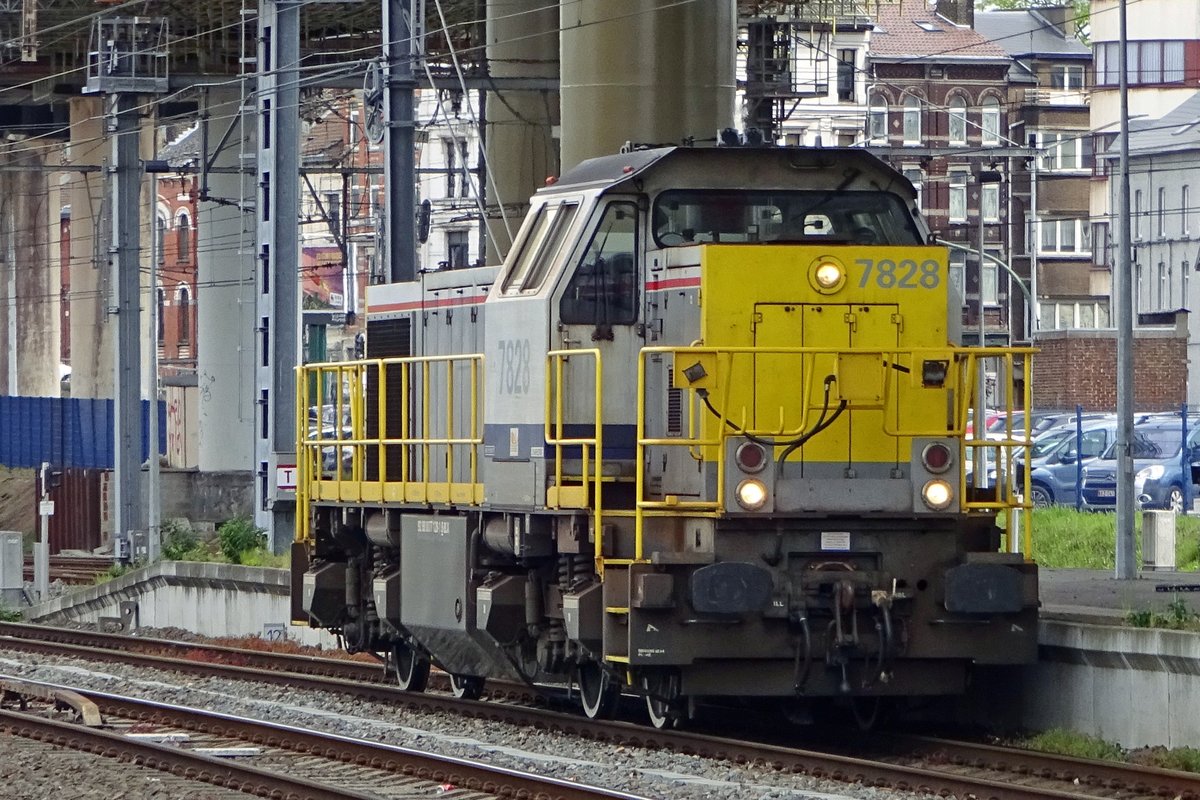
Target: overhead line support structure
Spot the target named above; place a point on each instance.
(277, 210)
(126, 61)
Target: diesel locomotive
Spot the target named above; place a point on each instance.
(704, 434)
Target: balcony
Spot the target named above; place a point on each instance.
(1057, 97)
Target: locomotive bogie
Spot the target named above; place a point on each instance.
(702, 434)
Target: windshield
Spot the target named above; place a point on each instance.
(1151, 443)
(1045, 445)
(683, 218)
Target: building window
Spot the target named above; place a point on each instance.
(1065, 236)
(1151, 63)
(877, 120)
(990, 201)
(1162, 212)
(457, 252)
(1137, 215)
(160, 303)
(183, 310)
(958, 196)
(1185, 210)
(1068, 150)
(1164, 286)
(991, 121)
(917, 177)
(1184, 269)
(991, 282)
(912, 120)
(160, 237)
(958, 120)
(183, 237)
(958, 269)
(333, 212)
(845, 74)
(450, 149)
(1066, 78)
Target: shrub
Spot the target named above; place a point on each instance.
(239, 536)
(178, 541)
(10, 614)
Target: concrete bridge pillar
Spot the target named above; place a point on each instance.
(225, 287)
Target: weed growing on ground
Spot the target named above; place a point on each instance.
(1070, 743)
(10, 614)
(1177, 617)
(238, 537)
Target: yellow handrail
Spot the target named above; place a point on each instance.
(349, 482)
(963, 366)
(591, 448)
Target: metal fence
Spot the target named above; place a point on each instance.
(66, 432)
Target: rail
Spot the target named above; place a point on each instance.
(586, 490)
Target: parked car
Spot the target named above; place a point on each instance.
(1055, 460)
(1161, 472)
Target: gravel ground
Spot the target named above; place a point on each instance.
(647, 772)
(31, 770)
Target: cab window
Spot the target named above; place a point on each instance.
(604, 290)
(690, 217)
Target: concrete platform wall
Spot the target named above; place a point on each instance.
(1134, 686)
(208, 599)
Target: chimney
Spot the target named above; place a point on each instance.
(1061, 17)
(961, 12)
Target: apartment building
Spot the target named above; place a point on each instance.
(1048, 95)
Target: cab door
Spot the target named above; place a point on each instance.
(600, 307)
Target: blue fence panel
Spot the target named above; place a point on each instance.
(66, 432)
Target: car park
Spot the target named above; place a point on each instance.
(1057, 459)
(1163, 463)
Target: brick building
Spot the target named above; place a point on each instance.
(174, 246)
(938, 111)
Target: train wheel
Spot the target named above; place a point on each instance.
(662, 697)
(597, 691)
(411, 668)
(466, 687)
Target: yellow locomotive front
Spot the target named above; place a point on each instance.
(717, 446)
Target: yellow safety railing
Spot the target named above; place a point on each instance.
(422, 439)
(588, 492)
(894, 365)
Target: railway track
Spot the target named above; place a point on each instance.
(72, 569)
(261, 758)
(960, 769)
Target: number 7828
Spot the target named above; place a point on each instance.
(904, 274)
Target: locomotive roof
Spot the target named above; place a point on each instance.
(607, 172)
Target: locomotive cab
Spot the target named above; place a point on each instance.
(702, 434)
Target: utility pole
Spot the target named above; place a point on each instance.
(126, 61)
(1126, 564)
(41, 556)
(402, 22)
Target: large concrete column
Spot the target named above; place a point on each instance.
(225, 297)
(91, 336)
(27, 237)
(647, 71)
(522, 42)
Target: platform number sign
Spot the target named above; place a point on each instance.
(274, 631)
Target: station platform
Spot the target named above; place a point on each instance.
(1097, 597)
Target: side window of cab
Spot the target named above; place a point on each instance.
(604, 288)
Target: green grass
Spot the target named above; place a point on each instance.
(1063, 537)
(1070, 743)
(1079, 745)
(10, 614)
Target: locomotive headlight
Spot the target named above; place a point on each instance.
(937, 494)
(827, 276)
(751, 494)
